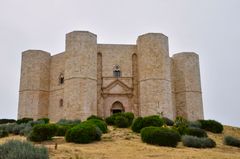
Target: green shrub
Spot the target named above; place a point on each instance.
(18, 127)
(160, 136)
(194, 124)
(8, 127)
(137, 125)
(110, 120)
(83, 133)
(94, 117)
(5, 121)
(26, 130)
(22, 150)
(68, 122)
(43, 132)
(46, 120)
(196, 132)
(212, 126)
(181, 125)
(129, 116)
(99, 123)
(168, 121)
(62, 129)
(153, 120)
(231, 141)
(196, 142)
(24, 120)
(3, 133)
(121, 122)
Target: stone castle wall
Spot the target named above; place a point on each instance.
(151, 82)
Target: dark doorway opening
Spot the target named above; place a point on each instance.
(114, 111)
(117, 107)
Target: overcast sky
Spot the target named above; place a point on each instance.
(210, 28)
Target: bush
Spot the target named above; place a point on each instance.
(192, 141)
(68, 122)
(140, 122)
(22, 150)
(129, 116)
(196, 132)
(153, 120)
(43, 132)
(8, 127)
(62, 129)
(3, 133)
(160, 136)
(46, 120)
(194, 124)
(24, 120)
(94, 117)
(168, 121)
(26, 130)
(212, 126)
(99, 123)
(181, 125)
(83, 133)
(121, 122)
(110, 120)
(5, 121)
(231, 141)
(137, 125)
(18, 127)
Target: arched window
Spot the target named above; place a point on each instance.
(61, 78)
(116, 71)
(61, 103)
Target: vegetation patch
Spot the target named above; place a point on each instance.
(22, 150)
(83, 133)
(231, 141)
(43, 132)
(160, 136)
(192, 131)
(24, 120)
(99, 123)
(211, 125)
(94, 117)
(140, 122)
(196, 142)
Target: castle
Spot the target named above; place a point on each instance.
(102, 79)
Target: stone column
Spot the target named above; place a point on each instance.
(154, 75)
(187, 83)
(34, 84)
(80, 90)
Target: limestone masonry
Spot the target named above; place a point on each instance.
(101, 79)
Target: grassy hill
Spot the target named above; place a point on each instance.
(124, 144)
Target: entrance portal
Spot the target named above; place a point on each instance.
(117, 107)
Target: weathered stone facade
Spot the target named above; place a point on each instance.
(101, 79)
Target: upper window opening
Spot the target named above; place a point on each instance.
(116, 71)
(61, 78)
(61, 102)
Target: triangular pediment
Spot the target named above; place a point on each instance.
(117, 87)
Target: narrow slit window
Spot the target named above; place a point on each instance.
(61, 79)
(61, 103)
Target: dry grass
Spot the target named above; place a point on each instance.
(124, 144)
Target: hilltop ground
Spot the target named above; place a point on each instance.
(124, 144)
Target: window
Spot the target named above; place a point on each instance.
(116, 71)
(61, 103)
(61, 79)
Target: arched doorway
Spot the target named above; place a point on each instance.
(117, 107)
